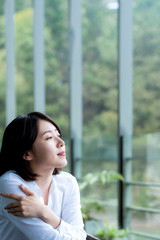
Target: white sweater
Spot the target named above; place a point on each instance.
(64, 200)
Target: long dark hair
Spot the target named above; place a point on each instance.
(18, 138)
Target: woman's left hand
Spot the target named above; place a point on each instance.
(25, 206)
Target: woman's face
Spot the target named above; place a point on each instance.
(48, 150)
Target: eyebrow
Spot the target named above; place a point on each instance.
(50, 131)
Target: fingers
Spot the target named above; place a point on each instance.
(19, 214)
(26, 190)
(18, 211)
(12, 205)
(11, 195)
(14, 210)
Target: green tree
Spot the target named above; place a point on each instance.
(100, 76)
(146, 66)
(100, 69)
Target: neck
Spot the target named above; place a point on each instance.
(44, 181)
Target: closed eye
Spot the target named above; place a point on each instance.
(49, 138)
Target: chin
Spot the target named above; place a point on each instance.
(62, 165)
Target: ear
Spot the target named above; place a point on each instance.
(27, 156)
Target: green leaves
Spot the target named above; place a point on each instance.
(111, 231)
(100, 177)
(92, 181)
(88, 204)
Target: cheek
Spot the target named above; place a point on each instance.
(44, 149)
(38, 150)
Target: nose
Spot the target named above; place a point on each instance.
(61, 143)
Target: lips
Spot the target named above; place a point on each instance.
(62, 154)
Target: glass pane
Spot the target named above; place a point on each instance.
(24, 55)
(99, 67)
(99, 145)
(147, 197)
(143, 167)
(99, 155)
(56, 62)
(146, 158)
(146, 71)
(146, 223)
(56, 66)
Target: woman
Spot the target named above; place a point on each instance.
(37, 200)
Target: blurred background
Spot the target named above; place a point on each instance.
(94, 67)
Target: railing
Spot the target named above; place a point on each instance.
(129, 207)
(131, 211)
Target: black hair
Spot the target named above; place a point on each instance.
(18, 138)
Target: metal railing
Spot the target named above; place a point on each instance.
(126, 207)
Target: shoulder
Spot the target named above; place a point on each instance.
(10, 176)
(65, 177)
(10, 181)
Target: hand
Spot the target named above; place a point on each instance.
(31, 206)
(25, 206)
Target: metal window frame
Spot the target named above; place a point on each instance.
(125, 105)
(75, 86)
(39, 72)
(10, 61)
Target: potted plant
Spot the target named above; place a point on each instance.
(90, 203)
(111, 232)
